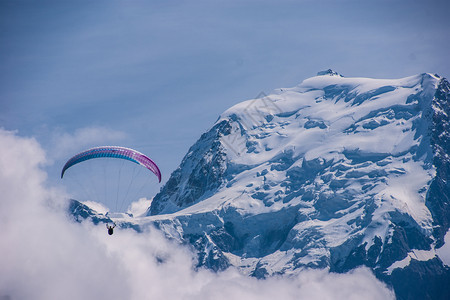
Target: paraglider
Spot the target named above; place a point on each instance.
(114, 152)
(111, 228)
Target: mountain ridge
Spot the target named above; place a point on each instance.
(335, 173)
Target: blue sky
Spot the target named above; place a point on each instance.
(154, 75)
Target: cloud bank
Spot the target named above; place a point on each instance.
(44, 255)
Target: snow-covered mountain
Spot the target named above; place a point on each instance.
(333, 173)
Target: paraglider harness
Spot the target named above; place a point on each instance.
(110, 228)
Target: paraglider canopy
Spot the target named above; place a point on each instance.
(113, 152)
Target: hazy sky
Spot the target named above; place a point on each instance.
(155, 75)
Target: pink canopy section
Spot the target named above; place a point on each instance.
(114, 152)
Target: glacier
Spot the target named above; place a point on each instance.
(333, 173)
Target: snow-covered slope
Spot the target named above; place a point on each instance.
(333, 173)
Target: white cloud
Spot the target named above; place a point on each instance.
(139, 207)
(44, 255)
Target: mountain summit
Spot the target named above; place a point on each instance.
(333, 173)
(329, 72)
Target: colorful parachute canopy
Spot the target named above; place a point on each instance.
(114, 152)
